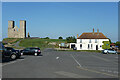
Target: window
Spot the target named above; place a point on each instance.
(90, 41)
(80, 40)
(80, 46)
(100, 45)
(95, 40)
(91, 46)
(27, 49)
(88, 46)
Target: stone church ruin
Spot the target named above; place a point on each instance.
(14, 31)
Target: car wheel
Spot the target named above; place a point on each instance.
(35, 54)
(13, 56)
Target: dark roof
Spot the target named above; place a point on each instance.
(92, 35)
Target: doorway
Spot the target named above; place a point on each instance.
(96, 47)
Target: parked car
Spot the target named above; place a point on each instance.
(18, 54)
(6, 53)
(31, 51)
(74, 48)
(106, 51)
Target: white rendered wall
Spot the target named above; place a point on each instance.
(85, 43)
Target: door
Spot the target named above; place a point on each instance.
(32, 50)
(96, 47)
(72, 45)
(26, 51)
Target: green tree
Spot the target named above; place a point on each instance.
(117, 43)
(60, 37)
(47, 38)
(110, 40)
(106, 45)
(71, 39)
(28, 35)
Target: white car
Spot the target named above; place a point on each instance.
(106, 51)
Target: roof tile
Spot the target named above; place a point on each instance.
(92, 35)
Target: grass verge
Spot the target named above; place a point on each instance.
(98, 51)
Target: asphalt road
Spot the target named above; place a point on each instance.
(62, 64)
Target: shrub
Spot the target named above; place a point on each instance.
(106, 45)
(71, 39)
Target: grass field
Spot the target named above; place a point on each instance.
(42, 43)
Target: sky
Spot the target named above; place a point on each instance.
(54, 19)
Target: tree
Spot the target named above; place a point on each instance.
(117, 43)
(71, 39)
(28, 35)
(106, 45)
(110, 40)
(47, 38)
(60, 37)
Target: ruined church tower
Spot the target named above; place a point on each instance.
(22, 32)
(15, 32)
(10, 28)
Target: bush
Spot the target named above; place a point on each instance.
(28, 35)
(47, 38)
(117, 43)
(71, 39)
(106, 45)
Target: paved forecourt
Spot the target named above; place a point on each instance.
(63, 64)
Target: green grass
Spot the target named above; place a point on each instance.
(42, 43)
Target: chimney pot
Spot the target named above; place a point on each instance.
(97, 30)
(77, 35)
(93, 30)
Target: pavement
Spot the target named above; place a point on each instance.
(62, 64)
(17, 44)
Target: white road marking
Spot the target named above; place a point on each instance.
(76, 60)
(71, 75)
(109, 71)
(57, 57)
(90, 70)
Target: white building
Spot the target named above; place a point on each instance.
(90, 41)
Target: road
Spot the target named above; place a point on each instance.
(63, 64)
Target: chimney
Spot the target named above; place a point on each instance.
(93, 30)
(98, 31)
(77, 35)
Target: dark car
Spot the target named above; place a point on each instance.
(18, 54)
(6, 53)
(31, 51)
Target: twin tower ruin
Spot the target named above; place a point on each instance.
(14, 31)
